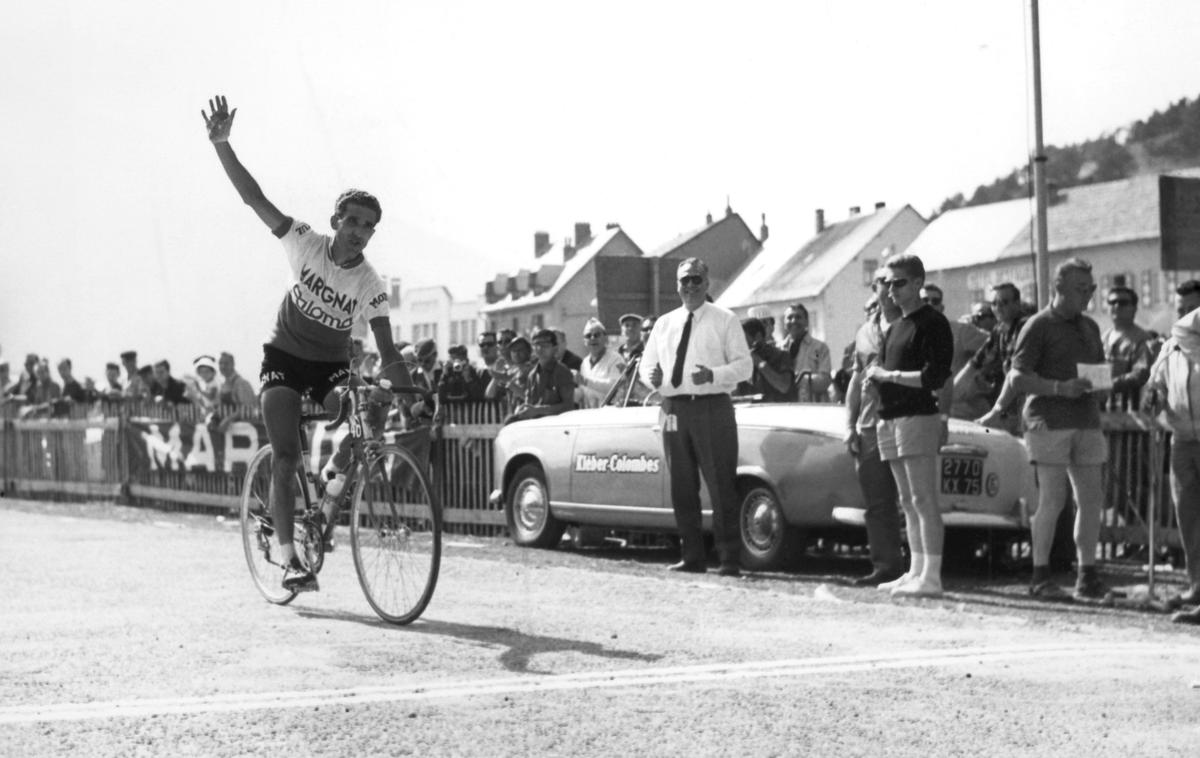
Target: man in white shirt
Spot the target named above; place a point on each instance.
(696, 355)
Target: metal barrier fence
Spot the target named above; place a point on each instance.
(116, 451)
(174, 457)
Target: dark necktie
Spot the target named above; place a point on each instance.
(794, 348)
(681, 353)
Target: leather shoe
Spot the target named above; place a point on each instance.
(876, 577)
(1187, 597)
(688, 567)
(1187, 617)
(729, 569)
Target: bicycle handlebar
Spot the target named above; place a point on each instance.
(347, 403)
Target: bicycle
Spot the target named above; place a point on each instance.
(395, 520)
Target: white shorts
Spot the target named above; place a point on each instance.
(909, 436)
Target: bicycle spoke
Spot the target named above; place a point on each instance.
(396, 536)
(260, 544)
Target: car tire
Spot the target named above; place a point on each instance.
(527, 509)
(768, 541)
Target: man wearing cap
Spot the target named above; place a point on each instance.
(130, 364)
(763, 314)
(427, 374)
(695, 356)
(631, 337)
(601, 369)
(550, 387)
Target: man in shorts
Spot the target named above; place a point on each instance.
(1062, 421)
(309, 348)
(910, 375)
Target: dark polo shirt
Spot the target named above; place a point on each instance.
(1051, 346)
(921, 341)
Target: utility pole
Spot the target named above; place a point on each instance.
(1042, 253)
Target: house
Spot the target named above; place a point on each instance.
(433, 312)
(606, 276)
(830, 273)
(726, 246)
(559, 287)
(1113, 225)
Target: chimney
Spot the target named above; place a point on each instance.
(880, 205)
(568, 250)
(708, 218)
(612, 225)
(489, 296)
(763, 231)
(855, 210)
(820, 220)
(541, 243)
(583, 233)
(512, 286)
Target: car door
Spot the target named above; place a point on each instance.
(618, 471)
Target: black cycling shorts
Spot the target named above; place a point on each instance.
(314, 378)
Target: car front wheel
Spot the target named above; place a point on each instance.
(768, 541)
(527, 509)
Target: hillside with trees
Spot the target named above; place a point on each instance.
(1166, 140)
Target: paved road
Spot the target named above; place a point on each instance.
(134, 632)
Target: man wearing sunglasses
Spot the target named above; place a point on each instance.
(991, 363)
(1062, 421)
(696, 355)
(600, 369)
(910, 374)
(1127, 347)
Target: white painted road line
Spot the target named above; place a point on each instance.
(648, 677)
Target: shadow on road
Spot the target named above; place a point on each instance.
(520, 647)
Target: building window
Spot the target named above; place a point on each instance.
(1149, 290)
(453, 332)
(394, 295)
(539, 321)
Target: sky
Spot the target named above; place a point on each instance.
(478, 123)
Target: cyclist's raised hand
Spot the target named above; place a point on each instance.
(220, 121)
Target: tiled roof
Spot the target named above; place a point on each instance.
(552, 259)
(779, 274)
(970, 236)
(1100, 214)
(682, 239)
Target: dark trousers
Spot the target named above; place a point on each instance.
(882, 514)
(1185, 483)
(702, 440)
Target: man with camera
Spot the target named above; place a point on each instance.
(772, 375)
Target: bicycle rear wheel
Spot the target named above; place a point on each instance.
(396, 535)
(258, 530)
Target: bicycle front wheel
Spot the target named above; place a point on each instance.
(258, 530)
(396, 535)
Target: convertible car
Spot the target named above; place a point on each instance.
(605, 467)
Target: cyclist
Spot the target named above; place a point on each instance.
(309, 348)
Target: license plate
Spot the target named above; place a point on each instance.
(962, 475)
